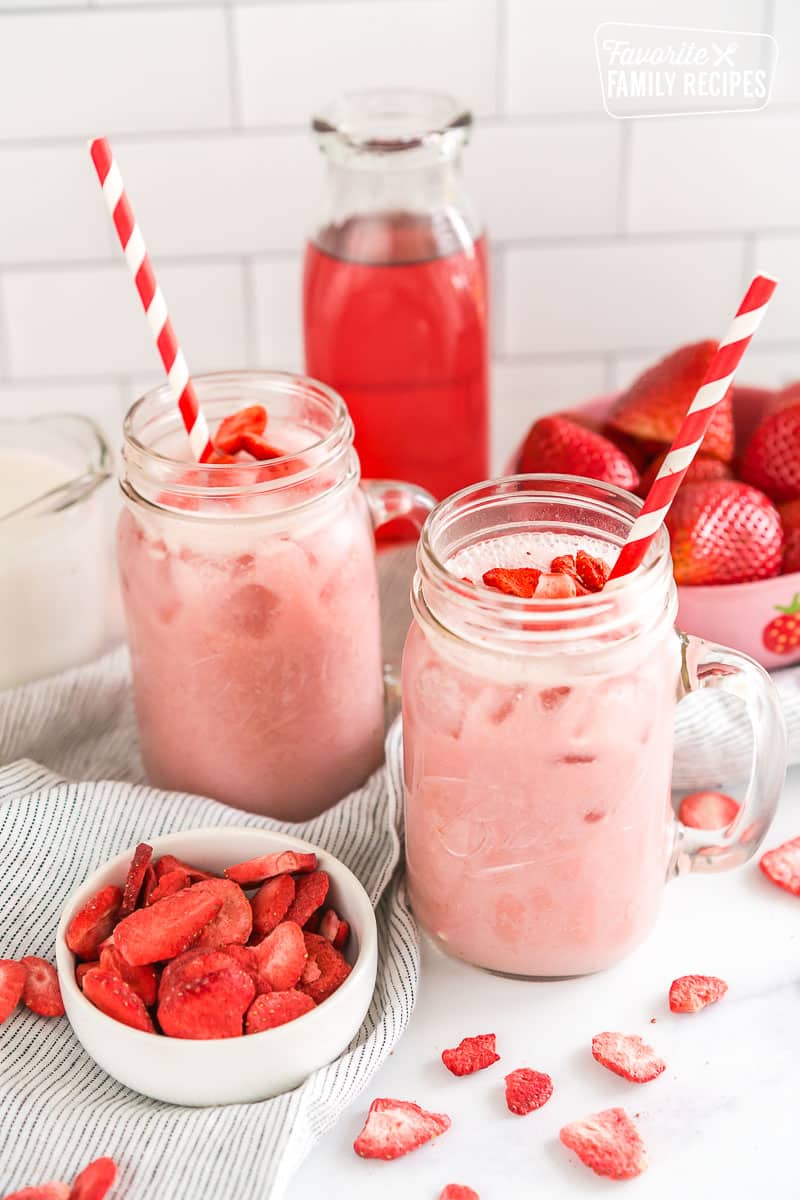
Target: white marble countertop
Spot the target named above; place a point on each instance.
(721, 1120)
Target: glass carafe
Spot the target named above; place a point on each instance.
(395, 290)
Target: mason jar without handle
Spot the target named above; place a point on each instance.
(538, 735)
(395, 290)
(251, 599)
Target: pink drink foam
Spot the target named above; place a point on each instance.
(257, 662)
(538, 789)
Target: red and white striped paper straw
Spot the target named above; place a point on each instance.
(155, 307)
(718, 378)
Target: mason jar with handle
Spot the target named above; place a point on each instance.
(251, 599)
(395, 292)
(538, 735)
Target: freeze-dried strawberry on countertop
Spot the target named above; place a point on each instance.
(608, 1142)
(396, 1127)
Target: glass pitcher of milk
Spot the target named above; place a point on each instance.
(57, 590)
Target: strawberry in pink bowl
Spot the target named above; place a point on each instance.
(735, 523)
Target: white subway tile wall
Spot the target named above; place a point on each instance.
(611, 240)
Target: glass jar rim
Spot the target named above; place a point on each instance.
(389, 120)
(148, 471)
(516, 620)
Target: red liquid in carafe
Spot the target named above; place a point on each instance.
(403, 337)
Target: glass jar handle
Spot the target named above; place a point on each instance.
(705, 665)
(388, 500)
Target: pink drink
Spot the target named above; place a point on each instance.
(538, 783)
(253, 622)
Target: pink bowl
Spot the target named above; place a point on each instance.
(741, 615)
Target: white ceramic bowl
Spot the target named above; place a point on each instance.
(227, 1070)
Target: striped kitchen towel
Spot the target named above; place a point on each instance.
(58, 1109)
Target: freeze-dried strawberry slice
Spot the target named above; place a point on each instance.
(690, 993)
(143, 980)
(608, 1142)
(94, 1181)
(271, 903)
(311, 971)
(564, 564)
(333, 967)
(192, 965)
(257, 870)
(165, 929)
(556, 585)
(395, 1127)
(627, 1055)
(513, 581)
(247, 960)
(169, 884)
(527, 1090)
(82, 970)
(281, 956)
(259, 447)
(310, 893)
(168, 862)
(109, 992)
(12, 985)
(782, 866)
(135, 878)
(41, 993)
(231, 431)
(471, 1054)
(458, 1191)
(334, 929)
(233, 922)
(269, 1011)
(94, 922)
(708, 810)
(45, 1191)
(148, 886)
(593, 573)
(206, 1004)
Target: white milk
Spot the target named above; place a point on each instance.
(54, 578)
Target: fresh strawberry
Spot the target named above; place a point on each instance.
(257, 870)
(271, 903)
(656, 403)
(142, 980)
(45, 1191)
(334, 929)
(94, 1181)
(135, 878)
(690, 993)
(202, 1003)
(592, 572)
(790, 520)
(166, 928)
(708, 810)
(771, 460)
(231, 431)
(333, 968)
(41, 993)
(639, 450)
(700, 470)
(277, 1008)
(233, 922)
(556, 585)
(281, 956)
(395, 1127)
(608, 1142)
(471, 1054)
(458, 1191)
(94, 922)
(724, 532)
(109, 992)
(310, 894)
(527, 1090)
(559, 445)
(627, 1055)
(782, 634)
(782, 866)
(12, 985)
(513, 581)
